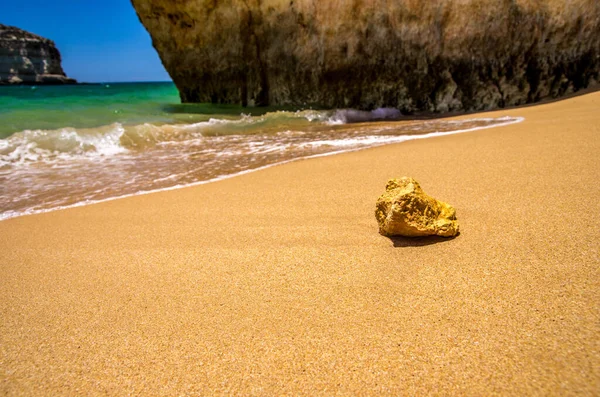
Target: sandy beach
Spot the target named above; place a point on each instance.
(278, 283)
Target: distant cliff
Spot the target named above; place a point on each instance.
(26, 58)
(435, 55)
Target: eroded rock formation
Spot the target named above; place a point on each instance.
(26, 58)
(405, 210)
(435, 55)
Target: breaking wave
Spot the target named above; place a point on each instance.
(42, 170)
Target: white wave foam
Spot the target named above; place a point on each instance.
(31, 146)
(507, 120)
(313, 115)
(345, 116)
(366, 140)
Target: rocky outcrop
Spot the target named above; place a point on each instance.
(414, 55)
(26, 58)
(405, 210)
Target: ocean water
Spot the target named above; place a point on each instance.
(65, 146)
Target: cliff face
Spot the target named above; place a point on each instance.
(435, 55)
(26, 58)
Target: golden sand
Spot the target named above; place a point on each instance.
(278, 282)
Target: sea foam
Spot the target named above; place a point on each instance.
(46, 170)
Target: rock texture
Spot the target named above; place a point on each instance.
(26, 58)
(405, 210)
(414, 55)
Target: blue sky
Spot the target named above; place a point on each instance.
(99, 40)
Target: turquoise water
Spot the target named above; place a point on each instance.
(94, 105)
(52, 107)
(65, 146)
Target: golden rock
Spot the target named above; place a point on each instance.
(405, 210)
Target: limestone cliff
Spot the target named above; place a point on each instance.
(26, 58)
(435, 55)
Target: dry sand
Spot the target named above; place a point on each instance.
(277, 282)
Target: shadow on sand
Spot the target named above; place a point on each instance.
(400, 241)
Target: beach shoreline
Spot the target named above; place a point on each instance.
(503, 121)
(277, 282)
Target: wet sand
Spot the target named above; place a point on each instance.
(277, 282)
